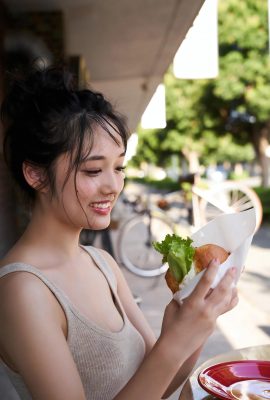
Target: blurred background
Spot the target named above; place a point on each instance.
(192, 79)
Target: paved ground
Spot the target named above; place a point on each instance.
(248, 324)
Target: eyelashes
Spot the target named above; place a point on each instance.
(95, 172)
(121, 169)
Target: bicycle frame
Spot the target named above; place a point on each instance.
(227, 197)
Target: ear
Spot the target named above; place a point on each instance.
(33, 175)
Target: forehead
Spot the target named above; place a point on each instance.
(103, 142)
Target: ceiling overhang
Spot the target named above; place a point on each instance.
(127, 45)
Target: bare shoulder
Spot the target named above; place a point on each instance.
(24, 294)
(30, 325)
(19, 282)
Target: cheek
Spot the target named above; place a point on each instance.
(87, 188)
(121, 183)
(74, 195)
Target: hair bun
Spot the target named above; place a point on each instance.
(53, 79)
(38, 89)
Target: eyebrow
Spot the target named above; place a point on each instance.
(97, 157)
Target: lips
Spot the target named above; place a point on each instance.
(102, 207)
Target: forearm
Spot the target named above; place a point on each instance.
(154, 375)
(182, 374)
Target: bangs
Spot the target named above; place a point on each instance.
(80, 131)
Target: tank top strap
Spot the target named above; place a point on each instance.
(22, 267)
(103, 265)
(62, 298)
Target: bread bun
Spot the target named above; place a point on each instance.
(171, 281)
(204, 254)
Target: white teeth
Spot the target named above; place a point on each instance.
(101, 205)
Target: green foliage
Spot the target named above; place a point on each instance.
(243, 83)
(167, 184)
(243, 23)
(236, 176)
(198, 111)
(186, 187)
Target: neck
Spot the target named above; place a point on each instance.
(53, 236)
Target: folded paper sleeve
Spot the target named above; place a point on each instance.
(233, 232)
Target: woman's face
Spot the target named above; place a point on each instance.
(99, 181)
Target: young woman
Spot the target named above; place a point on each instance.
(70, 329)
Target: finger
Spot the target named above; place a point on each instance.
(234, 293)
(227, 306)
(233, 301)
(221, 295)
(172, 306)
(208, 294)
(204, 285)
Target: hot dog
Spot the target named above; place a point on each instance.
(184, 260)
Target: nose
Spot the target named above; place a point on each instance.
(112, 183)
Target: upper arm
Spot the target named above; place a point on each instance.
(133, 312)
(32, 339)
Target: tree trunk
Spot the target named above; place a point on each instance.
(192, 158)
(261, 143)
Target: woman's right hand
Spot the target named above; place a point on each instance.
(186, 327)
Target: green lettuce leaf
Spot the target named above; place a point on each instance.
(178, 253)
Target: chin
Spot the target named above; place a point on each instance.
(99, 226)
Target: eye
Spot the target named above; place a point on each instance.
(92, 172)
(121, 169)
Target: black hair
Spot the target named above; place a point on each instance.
(45, 115)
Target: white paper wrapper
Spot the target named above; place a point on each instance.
(234, 232)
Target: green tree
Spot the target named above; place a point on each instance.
(191, 132)
(239, 99)
(182, 135)
(224, 118)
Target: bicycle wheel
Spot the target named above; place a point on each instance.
(232, 197)
(134, 244)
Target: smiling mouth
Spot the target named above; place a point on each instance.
(102, 206)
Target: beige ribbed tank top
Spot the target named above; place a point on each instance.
(105, 360)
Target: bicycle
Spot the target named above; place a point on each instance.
(224, 197)
(205, 200)
(136, 235)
